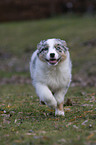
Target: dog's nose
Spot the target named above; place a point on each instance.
(52, 55)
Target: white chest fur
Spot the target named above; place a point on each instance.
(53, 76)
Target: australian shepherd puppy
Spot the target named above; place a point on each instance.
(50, 69)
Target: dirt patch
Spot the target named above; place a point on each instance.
(83, 81)
(76, 81)
(86, 76)
(91, 43)
(15, 80)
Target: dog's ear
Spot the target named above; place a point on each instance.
(39, 45)
(64, 44)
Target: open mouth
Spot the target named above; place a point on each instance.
(53, 61)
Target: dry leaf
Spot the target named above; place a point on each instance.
(75, 126)
(90, 136)
(6, 121)
(62, 140)
(70, 123)
(42, 132)
(67, 109)
(87, 105)
(84, 122)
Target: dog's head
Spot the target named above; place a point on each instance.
(52, 51)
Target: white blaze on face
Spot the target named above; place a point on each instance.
(51, 43)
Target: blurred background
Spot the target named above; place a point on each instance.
(24, 23)
(36, 9)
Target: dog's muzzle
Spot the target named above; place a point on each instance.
(53, 60)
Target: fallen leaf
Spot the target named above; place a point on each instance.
(89, 111)
(31, 133)
(2, 111)
(70, 123)
(9, 106)
(15, 121)
(37, 137)
(75, 118)
(67, 109)
(75, 126)
(84, 123)
(18, 141)
(20, 112)
(87, 105)
(5, 121)
(6, 135)
(62, 140)
(42, 132)
(90, 136)
(92, 99)
(12, 112)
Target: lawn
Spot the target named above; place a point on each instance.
(23, 121)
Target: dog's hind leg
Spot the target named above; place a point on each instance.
(45, 95)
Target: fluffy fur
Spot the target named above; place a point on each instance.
(50, 69)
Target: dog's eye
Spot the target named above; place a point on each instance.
(59, 49)
(46, 48)
(43, 49)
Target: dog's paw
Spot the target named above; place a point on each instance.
(51, 102)
(59, 113)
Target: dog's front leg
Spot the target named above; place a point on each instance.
(46, 95)
(59, 96)
(59, 110)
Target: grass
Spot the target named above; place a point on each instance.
(19, 39)
(17, 36)
(27, 122)
(23, 121)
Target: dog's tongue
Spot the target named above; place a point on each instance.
(53, 61)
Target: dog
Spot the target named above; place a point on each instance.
(50, 69)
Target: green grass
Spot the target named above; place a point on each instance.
(27, 122)
(19, 39)
(23, 121)
(17, 36)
